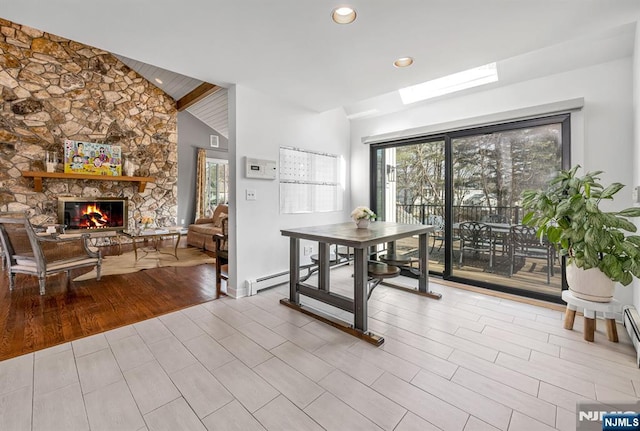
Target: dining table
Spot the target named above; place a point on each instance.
(362, 241)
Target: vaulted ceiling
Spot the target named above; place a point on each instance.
(290, 49)
(211, 110)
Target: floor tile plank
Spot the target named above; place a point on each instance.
(380, 410)
(245, 385)
(299, 389)
(506, 395)
(334, 415)
(175, 415)
(425, 405)
(282, 414)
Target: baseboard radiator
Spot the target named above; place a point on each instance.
(255, 285)
(631, 321)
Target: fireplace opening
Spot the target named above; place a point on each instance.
(94, 213)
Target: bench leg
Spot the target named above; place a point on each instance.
(589, 325)
(569, 316)
(612, 330)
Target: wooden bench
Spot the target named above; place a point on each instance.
(590, 308)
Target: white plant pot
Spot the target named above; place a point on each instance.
(591, 284)
(363, 223)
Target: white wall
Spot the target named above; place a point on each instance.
(636, 152)
(602, 133)
(260, 126)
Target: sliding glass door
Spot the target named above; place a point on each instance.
(411, 189)
(468, 185)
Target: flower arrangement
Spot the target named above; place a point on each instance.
(361, 213)
(146, 221)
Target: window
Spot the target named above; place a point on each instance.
(309, 181)
(217, 191)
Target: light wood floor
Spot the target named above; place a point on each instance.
(466, 362)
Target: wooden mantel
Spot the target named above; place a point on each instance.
(38, 176)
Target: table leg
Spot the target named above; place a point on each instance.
(323, 266)
(360, 290)
(294, 270)
(423, 257)
(135, 249)
(175, 247)
(391, 248)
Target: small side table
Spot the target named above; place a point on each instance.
(590, 308)
(155, 236)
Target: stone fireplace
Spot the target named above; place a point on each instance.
(53, 89)
(93, 213)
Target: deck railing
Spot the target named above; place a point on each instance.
(421, 213)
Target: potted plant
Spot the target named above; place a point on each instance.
(596, 243)
(362, 216)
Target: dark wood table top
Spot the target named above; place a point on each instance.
(349, 235)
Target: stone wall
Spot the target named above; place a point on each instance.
(52, 89)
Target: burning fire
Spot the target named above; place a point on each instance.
(94, 217)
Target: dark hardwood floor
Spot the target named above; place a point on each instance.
(72, 310)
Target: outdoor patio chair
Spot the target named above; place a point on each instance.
(438, 233)
(523, 243)
(477, 238)
(41, 255)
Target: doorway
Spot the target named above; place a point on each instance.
(467, 184)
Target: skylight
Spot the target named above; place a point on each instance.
(450, 83)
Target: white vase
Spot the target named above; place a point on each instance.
(363, 223)
(129, 168)
(590, 284)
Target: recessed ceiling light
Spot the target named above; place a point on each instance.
(449, 84)
(403, 62)
(343, 15)
(159, 81)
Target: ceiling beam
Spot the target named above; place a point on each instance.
(199, 93)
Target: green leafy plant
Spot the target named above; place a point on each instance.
(568, 214)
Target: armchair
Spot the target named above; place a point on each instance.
(201, 233)
(27, 252)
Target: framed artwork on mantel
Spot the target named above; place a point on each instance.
(92, 158)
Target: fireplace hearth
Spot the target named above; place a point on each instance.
(93, 213)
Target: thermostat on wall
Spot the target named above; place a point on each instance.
(261, 169)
